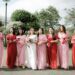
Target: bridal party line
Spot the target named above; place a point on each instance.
(37, 50)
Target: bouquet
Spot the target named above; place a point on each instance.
(31, 40)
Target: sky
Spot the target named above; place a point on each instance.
(36, 5)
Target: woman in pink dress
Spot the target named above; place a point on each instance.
(21, 40)
(73, 49)
(52, 49)
(1, 48)
(63, 47)
(41, 49)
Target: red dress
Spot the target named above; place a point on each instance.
(11, 51)
(73, 50)
(52, 52)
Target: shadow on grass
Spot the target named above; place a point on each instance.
(69, 69)
(47, 69)
(15, 69)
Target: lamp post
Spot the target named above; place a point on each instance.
(5, 23)
(6, 3)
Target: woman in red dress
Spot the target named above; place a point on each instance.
(73, 49)
(11, 49)
(52, 49)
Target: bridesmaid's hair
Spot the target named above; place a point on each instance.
(42, 31)
(14, 30)
(64, 29)
(22, 30)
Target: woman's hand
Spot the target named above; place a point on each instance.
(9, 41)
(14, 40)
(52, 41)
(48, 44)
(39, 43)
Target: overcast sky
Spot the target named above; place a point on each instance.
(37, 5)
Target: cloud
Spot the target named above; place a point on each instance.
(30, 5)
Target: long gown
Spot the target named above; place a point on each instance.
(41, 52)
(30, 53)
(1, 48)
(73, 50)
(63, 50)
(21, 47)
(11, 51)
(52, 52)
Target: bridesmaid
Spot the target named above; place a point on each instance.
(11, 49)
(52, 49)
(73, 49)
(41, 49)
(1, 48)
(31, 50)
(63, 47)
(21, 40)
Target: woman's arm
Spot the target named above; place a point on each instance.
(44, 40)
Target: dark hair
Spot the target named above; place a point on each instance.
(21, 29)
(42, 31)
(64, 29)
(14, 30)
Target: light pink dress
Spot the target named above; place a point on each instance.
(41, 50)
(1, 48)
(63, 50)
(21, 46)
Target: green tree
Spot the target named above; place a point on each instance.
(48, 17)
(1, 24)
(21, 15)
(28, 19)
(70, 18)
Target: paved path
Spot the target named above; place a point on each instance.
(18, 71)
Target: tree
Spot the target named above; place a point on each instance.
(70, 18)
(1, 24)
(27, 18)
(48, 17)
(21, 15)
